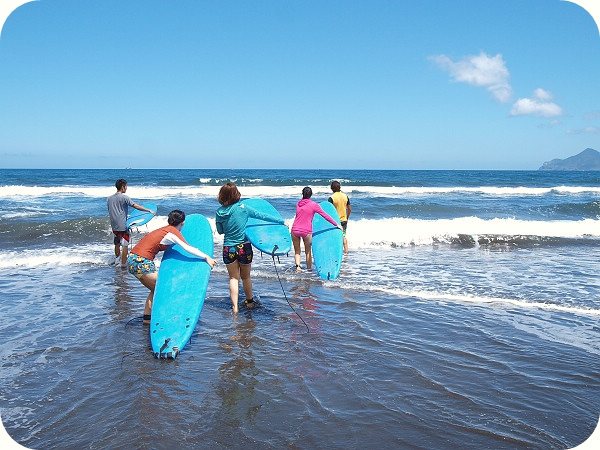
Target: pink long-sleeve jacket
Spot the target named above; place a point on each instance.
(305, 211)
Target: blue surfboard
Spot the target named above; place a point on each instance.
(138, 218)
(327, 244)
(266, 235)
(180, 290)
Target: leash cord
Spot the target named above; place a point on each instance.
(283, 290)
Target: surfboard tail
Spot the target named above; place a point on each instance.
(165, 352)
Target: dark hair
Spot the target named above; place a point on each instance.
(335, 186)
(229, 194)
(306, 192)
(176, 217)
(120, 183)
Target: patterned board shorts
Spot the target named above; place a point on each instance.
(138, 265)
(240, 252)
(344, 226)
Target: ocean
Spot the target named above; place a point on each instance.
(466, 315)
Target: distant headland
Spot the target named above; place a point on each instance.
(589, 159)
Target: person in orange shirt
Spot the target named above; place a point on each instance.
(141, 259)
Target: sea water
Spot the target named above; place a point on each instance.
(466, 313)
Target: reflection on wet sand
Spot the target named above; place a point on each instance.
(239, 375)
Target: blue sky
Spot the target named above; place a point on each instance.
(399, 84)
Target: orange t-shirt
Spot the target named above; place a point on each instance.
(152, 243)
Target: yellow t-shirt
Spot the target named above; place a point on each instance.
(340, 201)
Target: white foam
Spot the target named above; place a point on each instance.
(472, 299)
(21, 214)
(399, 231)
(294, 191)
(500, 191)
(59, 256)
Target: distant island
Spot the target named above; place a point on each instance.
(589, 159)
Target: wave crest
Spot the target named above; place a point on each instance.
(468, 231)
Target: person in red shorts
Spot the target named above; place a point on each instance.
(118, 204)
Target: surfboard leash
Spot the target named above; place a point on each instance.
(129, 322)
(283, 290)
(130, 246)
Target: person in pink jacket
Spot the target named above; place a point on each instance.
(302, 227)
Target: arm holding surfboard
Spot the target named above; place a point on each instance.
(172, 239)
(143, 208)
(327, 217)
(262, 216)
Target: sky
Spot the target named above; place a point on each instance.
(324, 84)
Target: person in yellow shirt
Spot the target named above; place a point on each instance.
(342, 206)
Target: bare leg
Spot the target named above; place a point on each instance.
(246, 281)
(149, 280)
(345, 245)
(308, 250)
(124, 252)
(233, 270)
(296, 242)
(117, 250)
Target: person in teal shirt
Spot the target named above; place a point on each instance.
(231, 219)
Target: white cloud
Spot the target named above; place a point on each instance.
(593, 130)
(542, 95)
(539, 105)
(481, 71)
